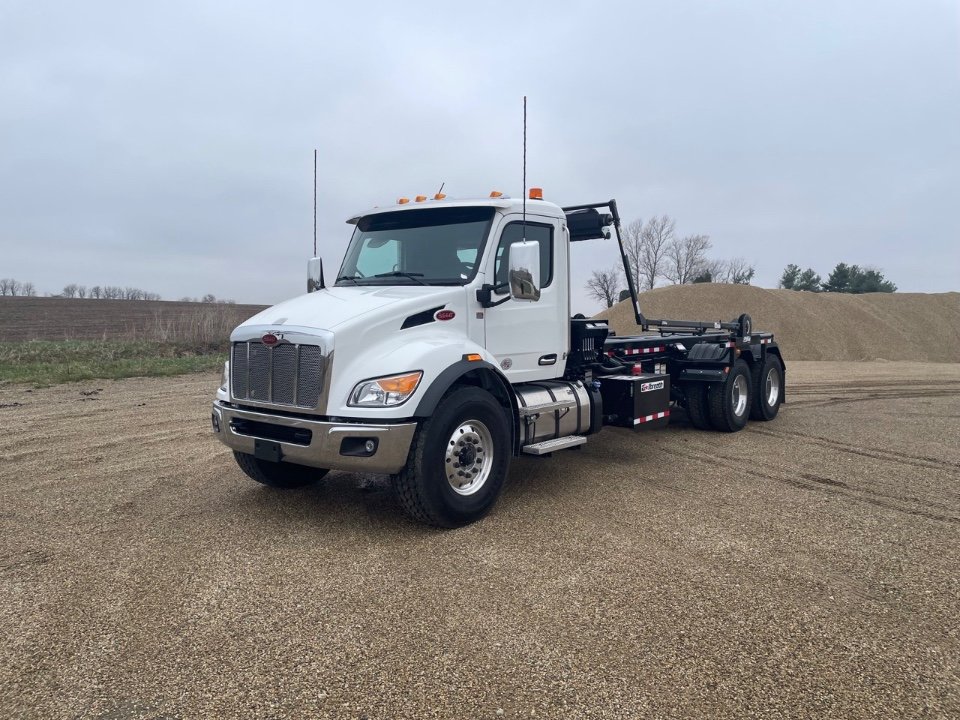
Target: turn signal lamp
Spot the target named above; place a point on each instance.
(386, 391)
(496, 194)
(403, 201)
(473, 357)
(420, 198)
(439, 196)
(536, 193)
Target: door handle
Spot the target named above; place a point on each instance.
(550, 359)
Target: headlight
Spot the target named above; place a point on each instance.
(385, 391)
(225, 378)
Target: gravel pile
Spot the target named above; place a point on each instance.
(817, 326)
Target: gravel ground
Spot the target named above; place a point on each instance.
(808, 567)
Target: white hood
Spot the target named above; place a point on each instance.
(329, 308)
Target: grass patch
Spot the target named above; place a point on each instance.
(45, 362)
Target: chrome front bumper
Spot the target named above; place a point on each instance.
(325, 447)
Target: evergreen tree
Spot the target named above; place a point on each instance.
(840, 279)
(790, 276)
(809, 280)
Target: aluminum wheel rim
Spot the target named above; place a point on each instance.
(773, 387)
(740, 395)
(468, 457)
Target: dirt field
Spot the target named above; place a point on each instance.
(35, 318)
(808, 567)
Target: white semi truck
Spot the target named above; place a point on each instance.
(445, 347)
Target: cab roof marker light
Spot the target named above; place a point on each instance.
(496, 194)
(439, 196)
(536, 193)
(420, 198)
(403, 201)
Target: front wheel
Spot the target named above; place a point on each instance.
(458, 461)
(278, 475)
(729, 401)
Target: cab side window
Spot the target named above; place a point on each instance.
(513, 233)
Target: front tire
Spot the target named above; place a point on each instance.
(767, 390)
(278, 475)
(729, 401)
(458, 461)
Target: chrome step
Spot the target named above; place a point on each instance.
(549, 446)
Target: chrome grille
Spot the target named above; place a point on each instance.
(285, 374)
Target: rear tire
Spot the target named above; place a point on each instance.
(278, 475)
(458, 461)
(729, 401)
(767, 390)
(697, 409)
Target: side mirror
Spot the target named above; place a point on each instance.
(315, 275)
(524, 274)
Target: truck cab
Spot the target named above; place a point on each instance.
(443, 347)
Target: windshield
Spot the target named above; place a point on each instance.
(440, 246)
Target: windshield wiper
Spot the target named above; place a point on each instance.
(351, 278)
(413, 276)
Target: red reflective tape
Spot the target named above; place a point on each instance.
(637, 351)
(655, 416)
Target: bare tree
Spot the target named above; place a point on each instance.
(113, 292)
(81, 291)
(712, 271)
(10, 286)
(208, 298)
(646, 247)
(739, 272)
(604, 285)
(69, 291)
(633, 248)
(132, 293)
(658, 233)
(151, 296)
(686, 258)
(96, 292)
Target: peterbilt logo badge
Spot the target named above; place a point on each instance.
(269, 339)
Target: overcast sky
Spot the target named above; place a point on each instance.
(169, 146)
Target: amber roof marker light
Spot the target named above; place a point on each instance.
(536, 193)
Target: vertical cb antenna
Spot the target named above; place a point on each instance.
(314, 202)
(524, 168)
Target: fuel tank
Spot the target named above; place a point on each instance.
(556, 408)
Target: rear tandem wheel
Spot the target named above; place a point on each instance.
(729, 402)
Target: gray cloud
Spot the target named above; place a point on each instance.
(170, 146)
